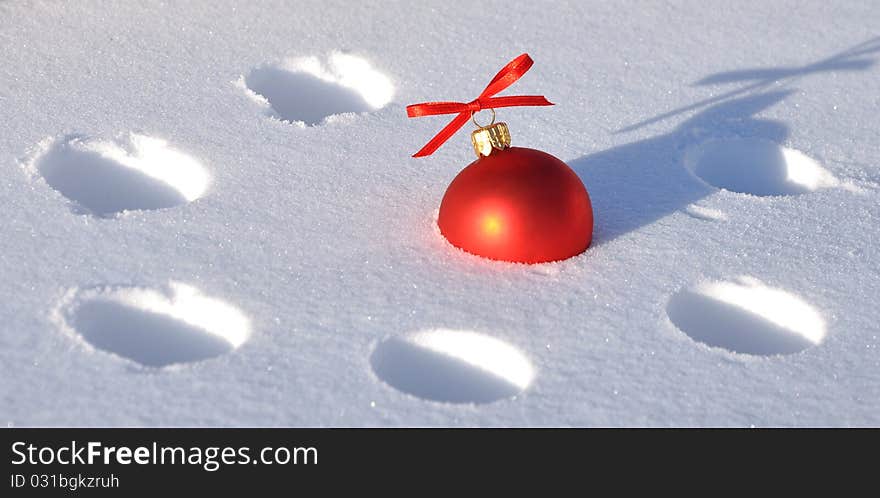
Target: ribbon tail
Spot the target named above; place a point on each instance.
(508, 75)
(443, 135)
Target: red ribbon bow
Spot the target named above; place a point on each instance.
(506, 77)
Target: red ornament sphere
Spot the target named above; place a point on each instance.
(519, 205)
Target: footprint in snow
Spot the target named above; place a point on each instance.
(758, 167)
(746, 316)
(452, 366)
(153, 327)
(131, 172)
(308, 90)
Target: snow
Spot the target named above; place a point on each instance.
(194, 236)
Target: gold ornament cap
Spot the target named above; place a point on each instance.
(489, 138)
(494, 136)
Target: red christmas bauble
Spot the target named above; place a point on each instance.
(519, 205)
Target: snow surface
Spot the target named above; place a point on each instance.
(174, 253)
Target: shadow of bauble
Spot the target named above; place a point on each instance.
(635, 184)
